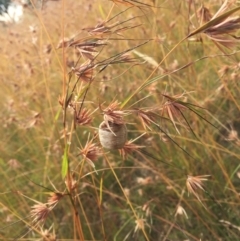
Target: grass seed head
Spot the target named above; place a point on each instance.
(48, 235)
(181, 211)
(204, 14)
(91, 151)
(83, 118)
(128, 148)
(222, 31)
(173, 107)
(113, 114)
(54, 198)
(146, 118)
(85, 72)
(195, 184)
(40, 212)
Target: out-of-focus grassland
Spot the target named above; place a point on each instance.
(141, 197)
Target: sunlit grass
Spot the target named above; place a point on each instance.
(135, 66)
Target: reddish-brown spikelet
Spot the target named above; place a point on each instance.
(204, 14)
(146, 117)
(91, 151)
(99, 30)
(222, 31)
(83, 118)
(113, 114)
(88, 48)
(85, 72)
(54, 198)
(40, 212)
(174, 109)
(128, 148)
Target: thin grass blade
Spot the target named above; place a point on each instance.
(65, 162)
(214, 21)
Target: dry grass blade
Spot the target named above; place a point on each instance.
(225, 27)
(230, 225)
(102, 29)
(88, 49)
(214, 22)
(132, 3)
(121, 58)
(124, 2)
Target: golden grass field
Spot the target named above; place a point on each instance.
(161, 75)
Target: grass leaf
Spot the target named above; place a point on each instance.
(65, 162)
(214, 21)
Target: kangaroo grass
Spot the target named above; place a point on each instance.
(102, 188)
(204, 28)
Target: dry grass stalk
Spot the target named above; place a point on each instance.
(230, 225)
(71, 183)
(124, 58)
(131, 3)
(124, 2)
(121, 58)
(101, 29)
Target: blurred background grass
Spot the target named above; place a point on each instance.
(32, 131)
